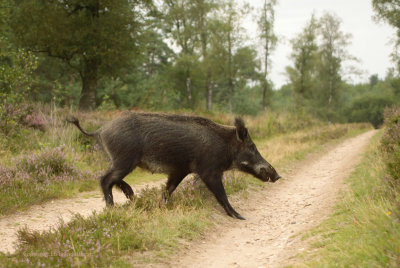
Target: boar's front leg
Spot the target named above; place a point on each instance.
(214, 184)
(173, 181)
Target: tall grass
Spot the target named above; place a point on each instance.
(364, 230)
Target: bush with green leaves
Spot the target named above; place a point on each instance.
(16, 78)
(370, 109)
(246, 102)
(390, 142)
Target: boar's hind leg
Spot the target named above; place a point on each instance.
(126, 188)
(173, 182)
(214, 184)
(112, 177)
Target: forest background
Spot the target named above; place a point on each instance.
(182, 55)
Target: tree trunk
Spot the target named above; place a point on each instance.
(204, 41)
(265, 86)
(209, 95)
(87, 101)
(264, 97)
(230, 78)
(189, 88)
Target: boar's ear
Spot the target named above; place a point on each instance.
(241, 130)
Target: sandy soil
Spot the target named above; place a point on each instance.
(274, 215)
(278, 214)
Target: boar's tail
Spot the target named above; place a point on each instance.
(75, 121)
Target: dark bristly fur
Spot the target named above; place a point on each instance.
(178, 145)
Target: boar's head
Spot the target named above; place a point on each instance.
(248, 159)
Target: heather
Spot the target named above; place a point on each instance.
(37, 177)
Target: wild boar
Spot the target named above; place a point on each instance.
(178, 145)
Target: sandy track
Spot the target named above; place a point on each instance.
(48, 215)
(274, 215)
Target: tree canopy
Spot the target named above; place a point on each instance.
(94, 37)
(180, 54)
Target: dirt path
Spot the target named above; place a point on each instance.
(48, 215)
(274, 215)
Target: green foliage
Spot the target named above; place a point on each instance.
(269, 40)
(305, 57)
(17, 121)
(390, 143)
(120, 53)
(95, 38)
(318, 53)
(16, 75)
(282, 99)
(247, 102)
(16, 80)
(389, 11)
(369, 108)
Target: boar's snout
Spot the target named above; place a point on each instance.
(271, 176)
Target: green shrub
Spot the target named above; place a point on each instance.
(370, 109)
(390, 143)
(246, 104)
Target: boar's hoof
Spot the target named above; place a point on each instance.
(237, 216)
(240, 217)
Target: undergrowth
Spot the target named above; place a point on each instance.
(38, 177)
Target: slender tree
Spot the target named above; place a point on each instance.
(269, 41)
(180, 26)
(228, 37)
(332, 53)
(305, 59)
(204, 9)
